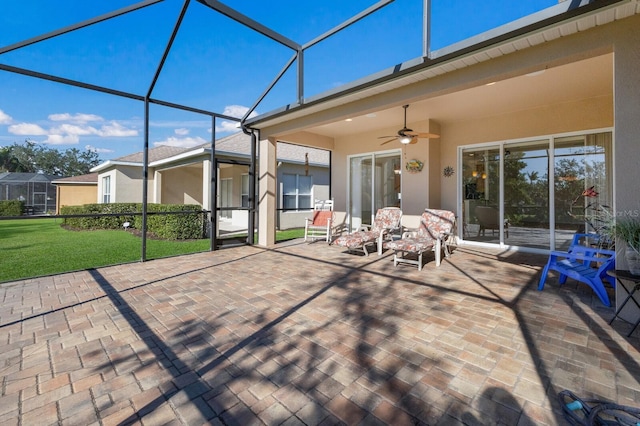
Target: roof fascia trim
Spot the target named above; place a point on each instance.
(111, 163)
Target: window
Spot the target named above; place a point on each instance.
(245, 190)
(106, 189)
(296, 192)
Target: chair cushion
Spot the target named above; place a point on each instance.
(412, 244)
(356, 239)
(436, 223)
(321, 218)
(387, 218)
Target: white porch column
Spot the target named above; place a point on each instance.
(267, 192)
(627, 141)
(206, 182)
(157, 187)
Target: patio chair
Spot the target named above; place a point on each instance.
(489, 218)
(434, 234)
(586, 264)
(386, 221)
(318, 226)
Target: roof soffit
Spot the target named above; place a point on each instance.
(418, 70)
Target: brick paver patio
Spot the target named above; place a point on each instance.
(307, 334)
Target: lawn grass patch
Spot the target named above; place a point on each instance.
(38, 247)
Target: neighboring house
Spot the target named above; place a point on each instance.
(76, 190)
(34, 189)
(529, 115)
(183, 176)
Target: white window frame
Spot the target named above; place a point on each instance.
(106, 189)
(297, 194)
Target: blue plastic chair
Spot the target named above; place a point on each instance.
(586, 264)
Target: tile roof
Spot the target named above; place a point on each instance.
(238, 144)
(88, 178)
(157, 153)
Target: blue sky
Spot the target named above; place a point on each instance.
(215, 64)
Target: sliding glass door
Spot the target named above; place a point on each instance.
(374, 182)
(509, 198)
(526, 193)
(481, 194)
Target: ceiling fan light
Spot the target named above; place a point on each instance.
(405, 139)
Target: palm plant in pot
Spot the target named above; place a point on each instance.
(627, 229)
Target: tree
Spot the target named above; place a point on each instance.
(8, 161)
(33, 158)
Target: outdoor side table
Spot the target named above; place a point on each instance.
(621, 276)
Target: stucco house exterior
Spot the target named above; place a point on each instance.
(182, 176)
(76, 190)
(529, 115)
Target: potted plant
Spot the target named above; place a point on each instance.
(627, 229)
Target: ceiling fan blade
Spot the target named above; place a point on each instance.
(413, 140)
(425, 135)
(390, 136)
(390, 140)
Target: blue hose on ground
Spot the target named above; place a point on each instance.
(594, 412)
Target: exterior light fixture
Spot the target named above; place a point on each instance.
(484, 176)
(474, 173)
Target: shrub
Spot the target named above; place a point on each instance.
(107, 221)
(160, 222)
(11, 208)
(173, 226)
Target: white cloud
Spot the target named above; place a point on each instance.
(72, 129)
(116, 130)
(70, 132)
(98, 150)
(237, 111)
(227, 127)
(27, 129)
(182, 131)
(5, 118)
(233, 111)
(181, 142)
(67, 139)
(76, 118)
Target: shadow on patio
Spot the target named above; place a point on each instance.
(308, 334)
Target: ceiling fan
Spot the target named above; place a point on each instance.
(406, 135)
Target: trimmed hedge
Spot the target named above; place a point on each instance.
(177, 226)
(11, 208)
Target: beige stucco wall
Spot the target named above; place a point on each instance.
(76, 195)
(587, 114)
(182, 185)
(627, 137)
(127, 185)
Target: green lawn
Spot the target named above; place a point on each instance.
(37, 247)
